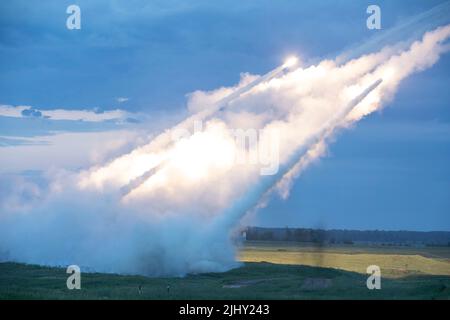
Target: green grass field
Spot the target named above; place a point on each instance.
(291, 271)
(394, 262)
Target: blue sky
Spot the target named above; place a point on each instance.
(389, 172)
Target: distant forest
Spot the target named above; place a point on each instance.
(432, 238)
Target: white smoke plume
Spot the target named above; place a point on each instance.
(170, 206)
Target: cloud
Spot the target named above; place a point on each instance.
(8, 141)
(26, 121)
(31, 113)
(68, 150)
(94, 115)
(122, 99)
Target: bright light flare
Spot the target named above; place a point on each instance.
(202, 154)
(290, 62)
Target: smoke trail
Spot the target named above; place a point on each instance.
(168, 208)
(403, 34)
(420, 56)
